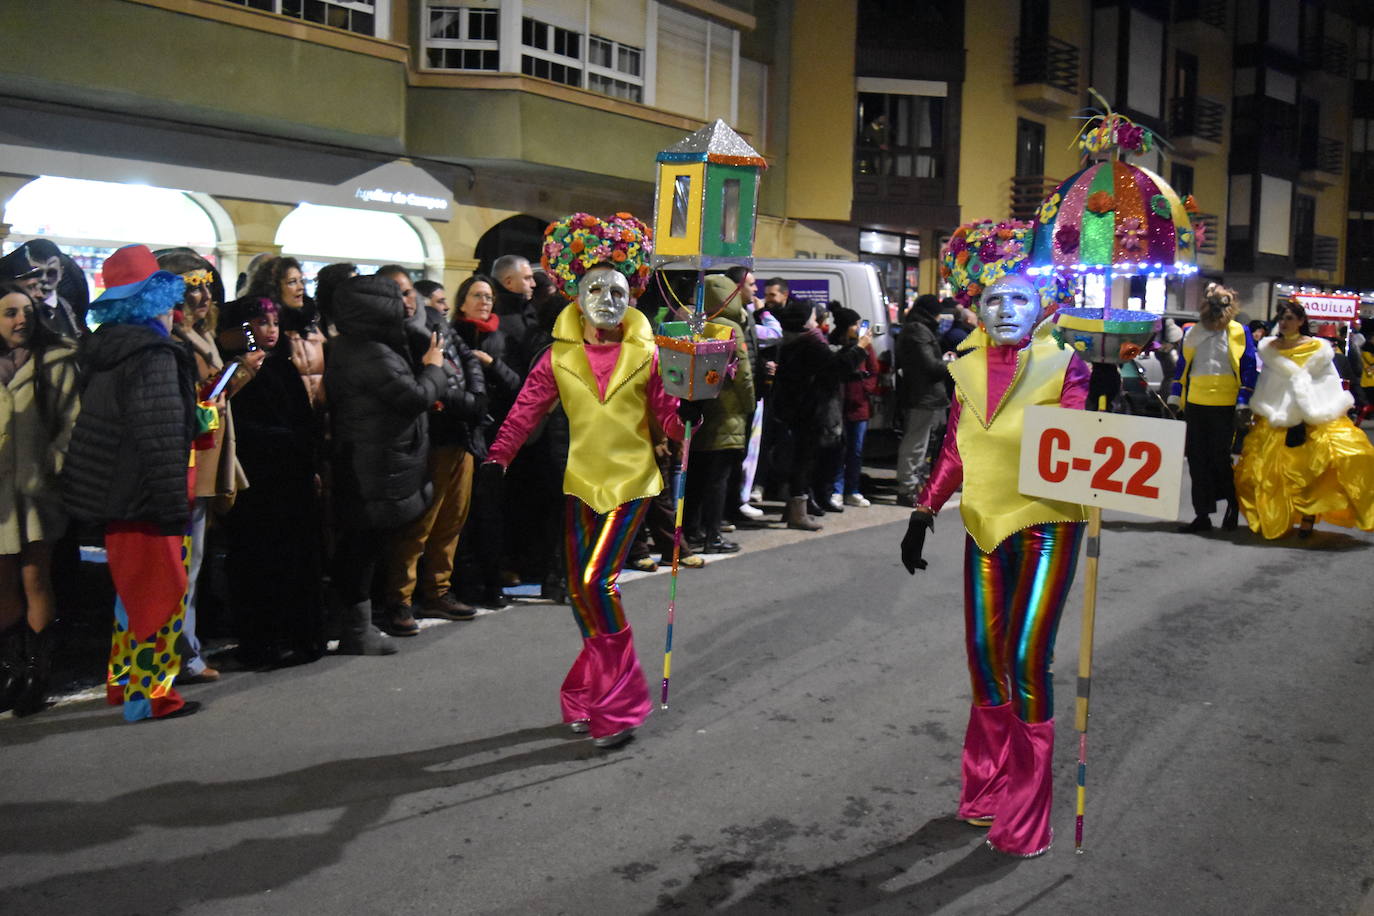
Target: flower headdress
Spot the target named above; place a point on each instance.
(577, 243)
(979, 254)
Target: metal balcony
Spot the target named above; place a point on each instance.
(1208, 12)
(1197, 125)
(1027, 191)
(1316, 252)
(1046, 73)
(1326, 55)
(1209, 234)
(1321, 162)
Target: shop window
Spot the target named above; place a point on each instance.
(90, 219)
(317, 236)
(461, 37)
(366, 17)
(1181, 177)
(1030, 148)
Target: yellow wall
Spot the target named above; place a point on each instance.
(820, 145)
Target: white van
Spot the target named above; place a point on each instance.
(855, 285)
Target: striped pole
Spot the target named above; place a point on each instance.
(680, 491)
(1085, 659)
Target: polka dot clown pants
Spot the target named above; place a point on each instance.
(149, 570)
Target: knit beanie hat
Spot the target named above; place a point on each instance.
(794, 315)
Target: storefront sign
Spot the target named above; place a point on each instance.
(1107, 460)
(1329, 308)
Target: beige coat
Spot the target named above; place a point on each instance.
(218, 472)
(32, 451)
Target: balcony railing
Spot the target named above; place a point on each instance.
(1212, 12)
(1046, 60)
(1320, 53)
(1316, 252)
(1199, 117)
(1027, 191)
(1208, 222)
(1325, 155)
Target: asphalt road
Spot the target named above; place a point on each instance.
(808, 763)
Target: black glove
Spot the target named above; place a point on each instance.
(915, 541)
(488, 489)
(690, 412)
(1295, 436)
(1243, 418)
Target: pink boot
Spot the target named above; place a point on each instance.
(985, 754)
(1022, 825)
(607, 686)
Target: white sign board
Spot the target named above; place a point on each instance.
(1330, 308)
(1108, 460)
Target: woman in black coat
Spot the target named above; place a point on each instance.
(273, 562)
(380, 440)
(482, 547)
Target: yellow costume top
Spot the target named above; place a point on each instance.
(990, 442)
(610, 454)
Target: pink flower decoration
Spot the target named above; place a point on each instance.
(1067, 238)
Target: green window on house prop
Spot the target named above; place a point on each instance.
(729, 211)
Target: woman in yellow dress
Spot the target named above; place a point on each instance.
(1304, 459)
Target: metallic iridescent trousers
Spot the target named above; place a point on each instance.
(1013, 599)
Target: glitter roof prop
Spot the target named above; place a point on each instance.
(1112, 216)
(713, 143)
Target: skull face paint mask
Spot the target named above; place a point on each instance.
(603, 295)
(1008, 309)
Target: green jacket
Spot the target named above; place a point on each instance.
(725, 424)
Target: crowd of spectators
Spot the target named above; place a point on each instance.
(307, 462)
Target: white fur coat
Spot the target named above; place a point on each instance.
(1288, 394)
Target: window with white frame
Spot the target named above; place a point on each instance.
(458, 37)
(615, 69)
(366, 17)
(550, 52)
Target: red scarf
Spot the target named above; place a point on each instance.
(486, 327)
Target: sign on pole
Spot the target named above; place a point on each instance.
(1105, 460)
(1329, 308)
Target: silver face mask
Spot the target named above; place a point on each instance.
(603, 295)
(1008, 309)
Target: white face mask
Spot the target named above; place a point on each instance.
(1008, 309)
(603, 295)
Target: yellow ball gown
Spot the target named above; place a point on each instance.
(1331, 474)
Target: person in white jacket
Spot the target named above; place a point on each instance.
(1303, 460)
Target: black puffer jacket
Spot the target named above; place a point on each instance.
(808, 394)
(920, 363)
(465, 399)
(378, 406)
(129, 450)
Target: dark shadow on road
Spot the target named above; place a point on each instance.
(854, 886)
(363, 788)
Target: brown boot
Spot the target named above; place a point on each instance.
(796, 516)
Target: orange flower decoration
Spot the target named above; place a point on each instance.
(1004, 233)
(576, 245)
(962, 257)
(961, 232)
(975, 289)
(1190, 203)
(618, 255)
(945, 271)
(1101, 202)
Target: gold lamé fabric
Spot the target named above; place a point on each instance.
(1331, 476)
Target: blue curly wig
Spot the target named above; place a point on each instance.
(162, 294)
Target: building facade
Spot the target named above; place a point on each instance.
(441, 133)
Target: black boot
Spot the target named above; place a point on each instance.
(33, 694)
(359, 636)
(1231, 520)
(11, 665)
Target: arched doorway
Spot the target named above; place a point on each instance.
(88, 220)
(317, 235)
(521, 234)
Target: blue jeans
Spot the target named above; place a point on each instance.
(192, 662)
(851, 468)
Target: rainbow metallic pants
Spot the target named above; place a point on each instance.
(1013, 599)
(605, 686)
